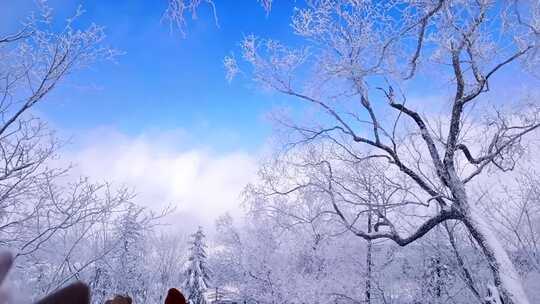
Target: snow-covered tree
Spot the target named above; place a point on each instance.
(100, 282)
(165, 253)
(129, 266)
(197, 273)
(45, 221)
(356, 66)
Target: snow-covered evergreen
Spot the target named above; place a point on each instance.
(197, 272)
(129, 263)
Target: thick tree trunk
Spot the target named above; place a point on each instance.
(506, 278)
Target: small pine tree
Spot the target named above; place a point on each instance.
(197, 272)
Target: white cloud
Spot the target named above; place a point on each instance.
(202, 184)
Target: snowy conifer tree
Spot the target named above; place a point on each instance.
(129, 261)
(197, 272)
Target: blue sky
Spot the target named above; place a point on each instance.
(164, 81)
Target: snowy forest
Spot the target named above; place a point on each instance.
(402, 166)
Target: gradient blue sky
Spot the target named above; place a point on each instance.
(163, 81)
